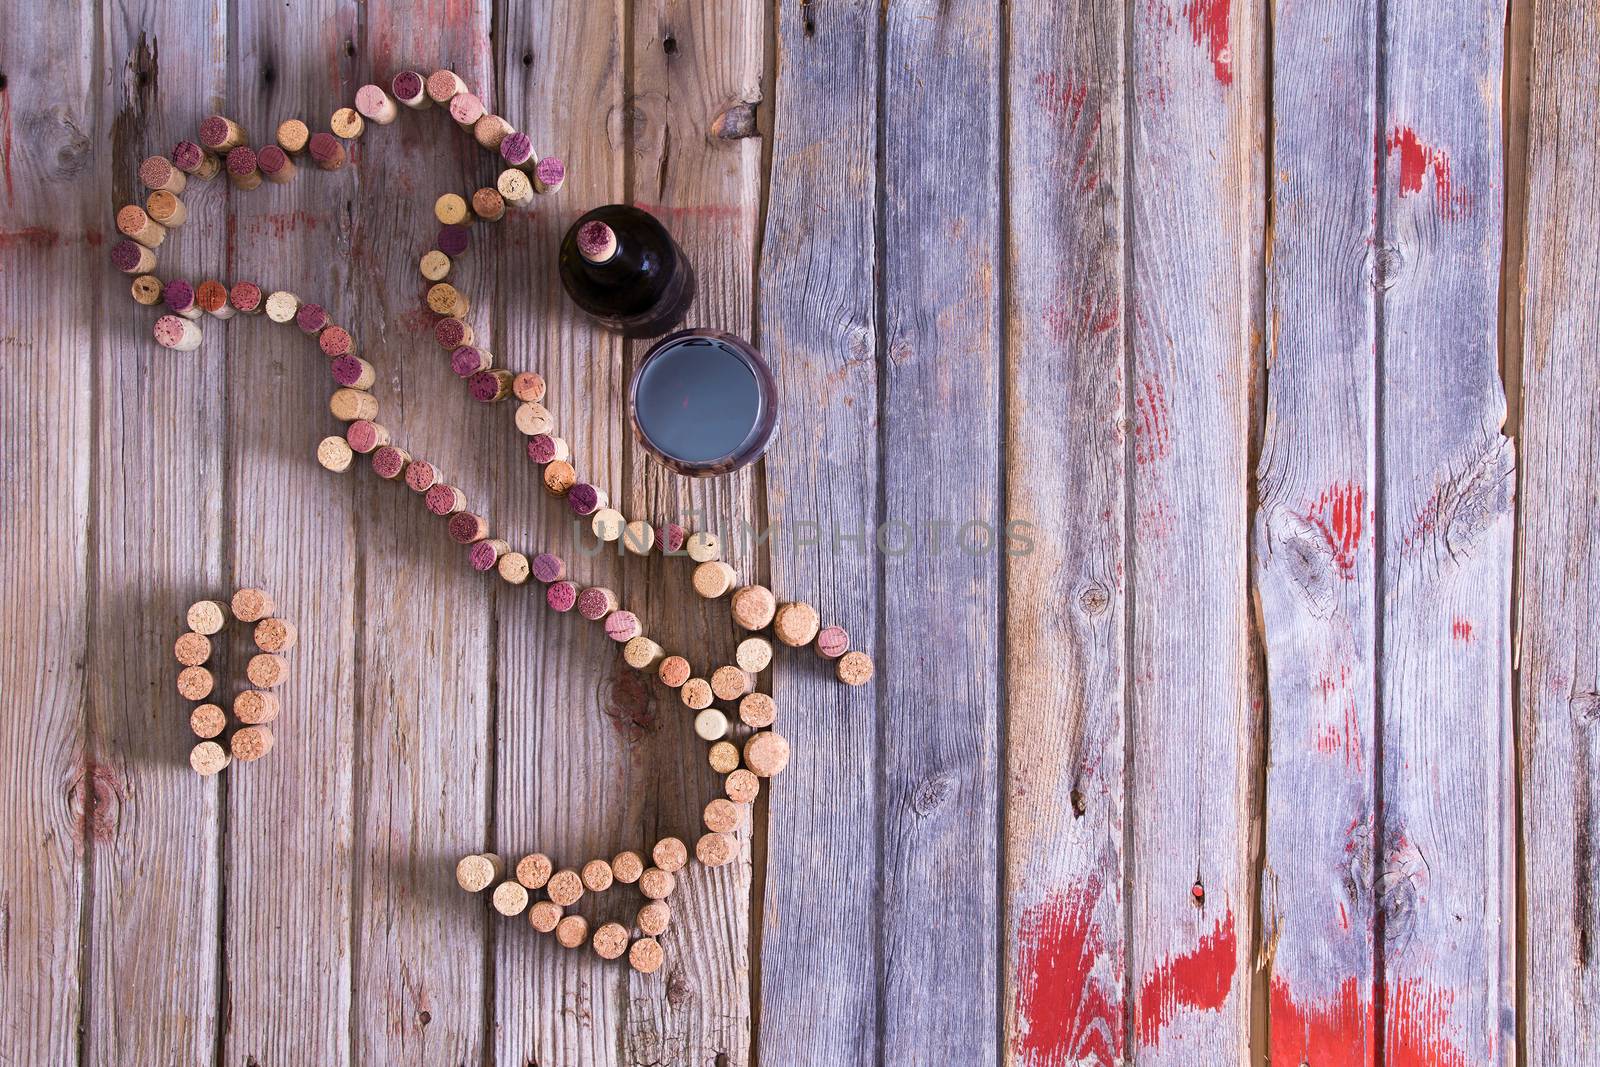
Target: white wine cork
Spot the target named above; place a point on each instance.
(730, 683)
(335, 454)
(715, 850)
(513, 567)
(251, 743)
(753, 654)
(642, 654)
(451, 210)
(753, 606)
(607, 524)
(208, 757)
(758, 710)
(654, 917)
(711, 724)
(610, 941)
(703, 547)
(435, 265)
(723, 757)
(195, 683)
(191, 649)
(796, 624)
(767, 753)
(722, 816)
(510, 898)
(534, 870)
(714, 578)
(207, 616)
(696, 694)
(347, 123)
(544, 916)
(515, 186)
(565, 887)
(207, 720)
(597, 876)
(572, 931)
(477, 872)
(639, 537)
(670, 854)
(276, 635)
(267, 671)
(742, 786)
(626, 867)
(646, 956)
(256, 706)
(657, 884)
(854, 668)
(282, 307)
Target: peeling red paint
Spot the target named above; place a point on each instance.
(1417, 158)
(1095, 314)
(1344, 738)
(1336, 1030)
(1152, 426)
(711, 212)
(5, 143)
(1208, 22)
(1066, 1011)
(1338, 515)
(1415, 1024)
(1198, 980)
(418, 321)
(1461, 629)
(280, 223)
(1074, 104)
(43, 237)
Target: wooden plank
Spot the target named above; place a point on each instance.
(1196, 177)
(1560, 552)
(158, 499)
(818, 327)
(1445, 878)
(1317, 582)
(60, 798)
(1066, 478)
(938, 418)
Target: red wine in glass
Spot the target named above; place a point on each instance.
(703, 403)
(622, 267)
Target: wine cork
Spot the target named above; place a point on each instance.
(549, 568)
(623, 626)
(695, 694)
(711, 724)
(195, 683)
(326, 151)
(703, 547)
(221, 135)
(561, 596)
(731, 683)
(534, 418)
(485, 555)
(855, 668)
(528, 387)
(376, 105)
(292, 135)
(597, 876)
(723, 757)
(134, 224)
(445, 500)
(366, 436)
(252, 605)
(435, 265)
(607, 524)
(534, 870)
(192, 649)
(452, 333)
(645, 956)
(549, 175)
(207, 616)
(638, 537)
(347, 405)
(766, 753)
(445, 299)
(159, 172)
(275, 165)
(543, 448)
(572, 931)
(610, 941)
(147, 290)
(753, 606)
(177, 333)
(312, 319)
(180, 299)
(509, 898)
(467, 528)
(208, 758)
(714, 578)
(642, 654)
(596, 241)
(559, 477)
(722, 816)
(453, 241)
(758, 710)
(445, 85)
(670, 855)
(283, 307)
(243, 170)
(422, 476)
(451, 210)
(166, 208)
(490, 386)
(513, 184)
(256, 706)
(195, 161)
(410, 89)
(596, 602)
(795, 624)
(266, 670)
(466, 109)
(673, 672)
(251, 743)
(347, 123)
(131, 257)
(488, 204)
(544, 916)
(654, 917)
(565, 887)
(626, 867)
(656, 883)
(585, 498)
(671, 537)
(207, 720)
(517, 150)
(716, 850)
(246, 298)
(513, 567)
(753, 654)
(275, 635)
(489, 131)
(212, 297)
(335, 454)
(479, 871)
(742, 786)
(352, 372)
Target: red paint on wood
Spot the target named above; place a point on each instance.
(1417, 159)
(1415, 1026)
(1066, 1013)
(281, 223)
(1338, 515)
(1461, 629)
(1336, 1030)
(5, 143)
(1153, 425)
(418, 321)
(1343, 738)
(1198, 980)
(1069, 320)
(1208, 22)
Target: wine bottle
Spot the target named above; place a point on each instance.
(621, 266)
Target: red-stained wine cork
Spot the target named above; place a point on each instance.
(453, 240)
(292, 136)
(607, 524)
(467, 528)
(422, 476)
(376, 105)
(266, 670)
(513, 567)
(671, 537)
(623, 626)
(466, 109)
(366, 436)
(572, 931)
(276, 635)
(490, 386)
(696, 694)
(134, 224)
(638, 537)
(711, 724)
(347, 123)
(731, 683)
(528, 387)
(445, 299)
(549, 568)
(147, 289)
(597, 242)
(177, 333)
(221, 134)
(559, 477)
(452, 333)
(517, 150)
(714, 578)
(485, 555)
(585, 499)
(434, 265)
(753, 654)
(468, 360)
(479, 871)
(549, 175)
(514, 185)
(208, 720)
(275, 165)
(212, 297)
(544, 448)
(444, 86)
(390, 462)
(195, 161)
(642, 654)
(489, 131)
(256, 706)
(716, 850)
(282, 307)
(597, 876)
(326, 151)
(609, 941)
(703, 547)
(243, 171)
(312, 319)
(158, 172)
(534, 870)
(657, 884)
(534, 418)
(208, 757)
(191, 649)
(854, 668)
(335, 454)
(565, 887)
(795, 624)
(444, 500)
(509, 898)
(252, 605)
(410, 89)
(488, 204)
(766, 753)
(758, 710)
(723, 757)
(742, 786)
(247, 298)
(180, 299)
(451, 210)
(654, 917)
(166, 208)
(348, 405)
(352, 372)
(674, 671)
(753, 606)
(335, 341)
(596, 602)
(646, 956)
(251, 743)
(544, 916)
(207, 616)
(195, 683)
(561, 596)
(131, 257)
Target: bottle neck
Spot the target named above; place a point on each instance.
(626, 261)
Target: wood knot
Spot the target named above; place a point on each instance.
(1473, 500)
(736, 122)
(1093, 599)
(1387, 264)
(1586, 708)
(679, 991)
(95, 801)
(1306, 556)
(932, 793)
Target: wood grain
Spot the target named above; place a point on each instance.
(1066, 479)
(1558, 594)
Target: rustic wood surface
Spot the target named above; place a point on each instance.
(1254, 747)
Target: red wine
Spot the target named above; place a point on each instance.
(704, 402)
(621, 266)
